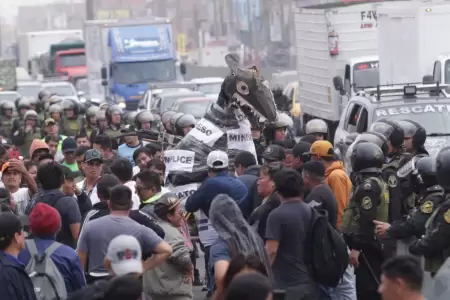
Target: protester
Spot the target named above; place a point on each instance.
(141, 157)
(37, 149)
(173, 278)
(82, 139)
(132, 143)
(68, 149)
(155, 150)
(274, 153)
(335, 175)
(51, 177)
(104, 144)
(123, 170)
(270, 200)
(97, 234)
(286, 235)
(45, 223)
(247, 171)
(300, 155)
(149, 189)
(79, 156)
(401, 279)
(92, 170)
(69, 188)
(15, 283)
(32, 168)
(235, 237)
(157, 165)
(124, 256)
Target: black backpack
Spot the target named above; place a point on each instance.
(327, 251)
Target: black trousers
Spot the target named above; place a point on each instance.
(368, 274)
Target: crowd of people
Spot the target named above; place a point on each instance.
(86, 214)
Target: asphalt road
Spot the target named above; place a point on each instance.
(198, 294)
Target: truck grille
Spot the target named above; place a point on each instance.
(132, 105)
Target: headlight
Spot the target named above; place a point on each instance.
(120, 101)
(122, 105)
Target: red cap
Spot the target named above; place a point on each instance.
(44, 220)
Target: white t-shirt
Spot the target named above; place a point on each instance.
(136, 170)
(134, 197)
(21, 199)
(92, 195)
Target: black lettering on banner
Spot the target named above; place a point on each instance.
(178, 159)
(184, 194)
(202, 128)
(240, 137)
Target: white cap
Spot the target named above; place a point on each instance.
(217, 159)
(125, 255)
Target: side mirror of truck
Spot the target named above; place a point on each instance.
(80, 93)
(104, 73)
(428, 79)
(338, 85)
(183, 68)
(105, 82)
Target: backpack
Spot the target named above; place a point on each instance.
(47, 281)
(327, 250)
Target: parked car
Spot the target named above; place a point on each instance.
(166, 100)
(195, 106)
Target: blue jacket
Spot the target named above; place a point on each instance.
(65, 259)
(14, 281)
(213, 186)
(253, 200)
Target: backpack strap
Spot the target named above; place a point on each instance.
(52, 248)
(31, 244)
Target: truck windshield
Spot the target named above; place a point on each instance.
(210, 88)
(435, 118)
(195, 108)
(72, 60)
(447, 71)
(61, 90)
(144, 72)
(29, 90)
(366, 74)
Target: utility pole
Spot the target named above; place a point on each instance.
(251, 32)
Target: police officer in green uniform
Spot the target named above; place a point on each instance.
(6, 118)
(369, 201)
(435, 244)
(24, 136)
(422, 170)
(276, 131)
(54, 112)
(91, 120)
(22, 105)
(34, 105)
(143, 120)
(114, 118)
(71, 121)
(184, 124)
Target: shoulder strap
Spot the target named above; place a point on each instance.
(32, 247)
(52, 248)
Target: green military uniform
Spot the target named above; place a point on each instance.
(414, 226)
(6, 127)
(71, 127)
(435, 244)
(113, 132)
(24, 150)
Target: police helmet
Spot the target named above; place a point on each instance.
(43, 95)
(112, 110)
(92, 110)
(167, 115)
(54, 99)
(68, 104)
(31, 114)
(23, 103)
(391, 130)
(55, 108)
(80, 107)
(315, 126)
(186, 121)
(443, 168)
(367, 158)
(174, 118)
(376, 138)
(415, 131)
(33, 101)
(282, 121)
(5, 105)
(425, 170)
(143, 117)
(100, 115)
(103, 106)
(131, 117)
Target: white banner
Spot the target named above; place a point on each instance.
(241, 138)
(179, 160)
(206, 132)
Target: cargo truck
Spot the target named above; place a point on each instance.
(410, 42)
(66, 58)
(124, 56)
(334, 40)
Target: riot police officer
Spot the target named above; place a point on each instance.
(71, 121)
(91, 120)
(6, 115)
(23, 137)
(114, 118)
(165, 119)
(22, 105)
(369, 202)
(398, 206)
(435, 244)
(54, 112)
(318, 128)
(144, 120)
(184, 124)
(43, 96)
(423, 172)
(415, 137)
(173, 121)
(276, 131)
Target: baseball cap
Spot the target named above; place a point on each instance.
(68, 145)
(49, 121)
(274, 153)
(92, 155)
(5, 166)
(322, 149)
(314, 167)
(125, 255)
(301, 149)
(217, 159)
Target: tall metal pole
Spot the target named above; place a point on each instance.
(250, 29)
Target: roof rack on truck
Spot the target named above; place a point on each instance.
(406, 89)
